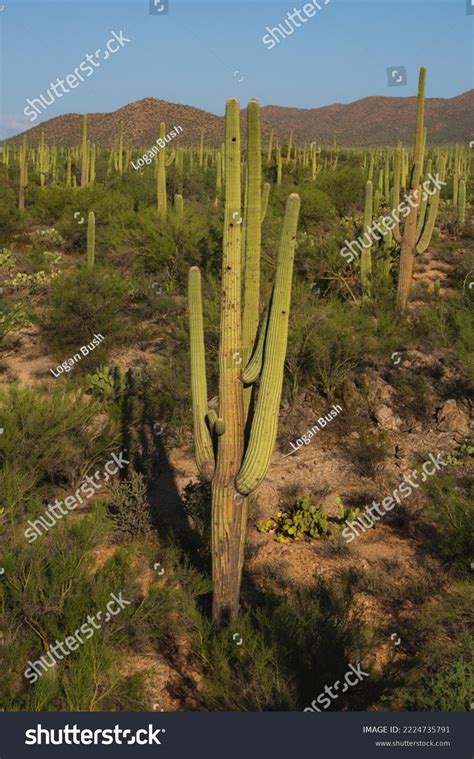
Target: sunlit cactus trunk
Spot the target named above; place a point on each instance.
(234, 468)
(161, 178)
(90, 259)
(23, 159)
(407, 252)
(366, 255)
(421, 219)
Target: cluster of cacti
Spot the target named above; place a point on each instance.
(234, 446)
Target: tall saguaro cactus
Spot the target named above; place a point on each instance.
(236, 462)
(23, 159)
(366, 256)
(416, 236)
(90, 260)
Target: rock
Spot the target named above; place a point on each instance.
(377, 389)
(452, 418)
(387, 419)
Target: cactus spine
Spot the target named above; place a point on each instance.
(90, 259)
(220, 438)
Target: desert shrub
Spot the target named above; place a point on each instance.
(47, 595)
(450, 510)
(367, 452)
(9, 213)
(449, 324)
(438, 677)
(49, 440)
(291, 648)
(12, 318)
(414, 396)
(325, 344)
(345, 187)
(197, 505)
(46, 239)
(129, 508)
(80, 305)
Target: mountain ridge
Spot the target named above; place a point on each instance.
(371, 121)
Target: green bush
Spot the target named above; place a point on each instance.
(450, 509)
(367, 452)
(49, 440)
(129, 508)
(80, 305)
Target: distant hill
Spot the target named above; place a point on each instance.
(371, 121)
(378, 120)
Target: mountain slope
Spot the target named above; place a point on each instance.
(370, 121)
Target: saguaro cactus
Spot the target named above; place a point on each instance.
(234, 466)
(85, 154)
(462, 201)
(90, 241)
(366, 255)
(44, 160)
(415, 237)
(23, 159)
(161, 177)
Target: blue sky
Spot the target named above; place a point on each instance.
(201, 53)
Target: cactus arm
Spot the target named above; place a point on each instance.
(264, 424)
(407, 250)
(202, 437)
(253, 369)
(250, 316)
(395, 197)
(265, 197)
(425, 233)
